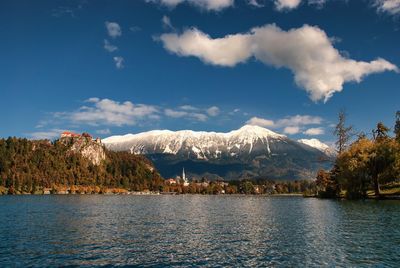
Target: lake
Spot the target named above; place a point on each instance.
(194, 230)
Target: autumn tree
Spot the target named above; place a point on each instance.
(322, 180)
(382, 158)
(353, 166)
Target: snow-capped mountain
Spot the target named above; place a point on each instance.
(317, 144)
(250, 151)
(199, 145)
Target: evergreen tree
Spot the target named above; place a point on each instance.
(342, 132)
(26, 166)
(397, 127)
(381, 132)
(382, 157)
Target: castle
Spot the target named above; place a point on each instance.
(72, 135)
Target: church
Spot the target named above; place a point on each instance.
(184, 179)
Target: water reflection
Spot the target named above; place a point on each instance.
(197, 230)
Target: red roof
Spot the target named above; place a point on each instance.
(69, 133)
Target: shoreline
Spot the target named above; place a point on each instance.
(154, 193)
(121, 191)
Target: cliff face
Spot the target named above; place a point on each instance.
(90, 149)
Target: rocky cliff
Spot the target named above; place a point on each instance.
(84, 144)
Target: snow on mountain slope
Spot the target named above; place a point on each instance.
(202, 145)
(317, 144)
(249, 152)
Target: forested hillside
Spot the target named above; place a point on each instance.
(27, 166)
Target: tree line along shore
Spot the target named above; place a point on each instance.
(366, 166)
(69, 165)
(258, 187)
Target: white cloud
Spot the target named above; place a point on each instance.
(213, 111)
(318, 3)
(287, 4)
(185, 114)
(190, 112)
(307, 51)
(109, 47)
(175, 114)
(119, 62)
(296, 120)
(94, 100)
(135, 29)
(291, 130)
(113, 29)
(166, 22)
(299, 120)
(188, 108)
(199, 117)
(210, 5)
(390, 6)
(227, 51)
(255, 3)
(71, 9)
(103, 131)
(257, 121)
(112, 113)
(289, 124)
(314, 131)
(46, 135)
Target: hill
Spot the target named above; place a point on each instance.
(26, 165)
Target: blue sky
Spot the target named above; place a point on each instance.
(116, 67)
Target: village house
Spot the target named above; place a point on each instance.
(170, 181)
(46, 190)
(203, 184)
(222, 183)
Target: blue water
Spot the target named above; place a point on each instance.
(192, 230)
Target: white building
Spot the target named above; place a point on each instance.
(185, 180)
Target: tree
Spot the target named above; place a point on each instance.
(353, 168)
(322, 180)
(383, 157)
(342, 132)
(397, 127)
(381, 132)
(246, 187)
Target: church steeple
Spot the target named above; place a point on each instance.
(184, 179)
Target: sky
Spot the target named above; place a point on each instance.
(117, 67)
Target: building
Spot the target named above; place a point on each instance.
(170, 182)
(68, 134)
(184, 179)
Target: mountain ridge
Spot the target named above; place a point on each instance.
(250, 151)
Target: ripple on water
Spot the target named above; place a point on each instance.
(194, 230)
